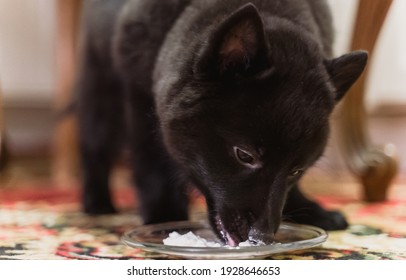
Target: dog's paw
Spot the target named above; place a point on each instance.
(327, 220)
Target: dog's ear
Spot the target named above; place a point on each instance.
(345, 70)
(236, 47)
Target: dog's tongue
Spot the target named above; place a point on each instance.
(230, 241)
(228, 238)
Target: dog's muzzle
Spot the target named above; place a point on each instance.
(236, 227)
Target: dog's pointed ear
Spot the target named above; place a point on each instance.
(345, 70)
(236, 46)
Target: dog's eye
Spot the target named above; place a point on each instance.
(296, 173)
(245, 158)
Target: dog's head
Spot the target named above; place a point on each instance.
(252, 116)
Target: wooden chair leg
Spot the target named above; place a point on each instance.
(375, 167)
(3, 147)
(65, 151)
(3, 151)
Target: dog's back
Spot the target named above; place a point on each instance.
(191, 29)
(120, 32)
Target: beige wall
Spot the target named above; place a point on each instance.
(27, 64)
(387, 81)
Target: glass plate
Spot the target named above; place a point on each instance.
(289, 237)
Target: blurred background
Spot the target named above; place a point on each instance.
(29, 74)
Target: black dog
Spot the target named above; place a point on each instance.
(232, 96)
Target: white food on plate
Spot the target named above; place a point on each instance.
(188, 240)
(191, 240)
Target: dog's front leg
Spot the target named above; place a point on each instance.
(160, 186)
(100, 113)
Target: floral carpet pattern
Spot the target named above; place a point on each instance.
(46, 223)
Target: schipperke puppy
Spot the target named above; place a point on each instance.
(232, 96)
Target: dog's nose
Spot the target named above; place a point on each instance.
(264, 228)
(261, 237)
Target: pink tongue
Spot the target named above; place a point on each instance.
(230, 241)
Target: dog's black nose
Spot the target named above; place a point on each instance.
(256, 235)
(263, 229)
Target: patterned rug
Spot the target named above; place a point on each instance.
(41, 222)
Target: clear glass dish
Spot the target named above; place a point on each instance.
(290, 237)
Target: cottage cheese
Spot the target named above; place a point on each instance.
(191, 240)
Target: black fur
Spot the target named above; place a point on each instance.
(233, 96)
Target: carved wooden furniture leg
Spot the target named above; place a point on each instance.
(65, 152)
(3, 148)
(376, 167)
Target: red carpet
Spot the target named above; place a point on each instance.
(40, 222)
